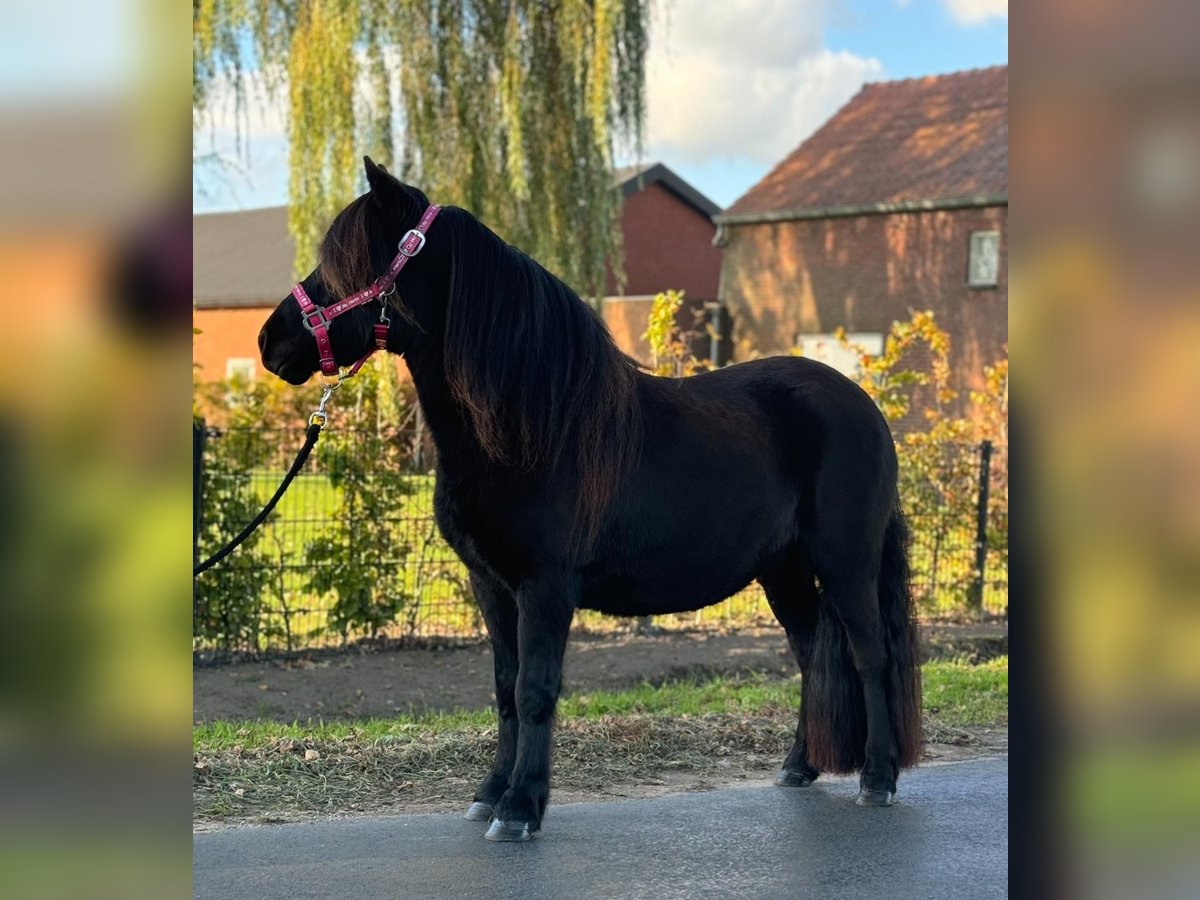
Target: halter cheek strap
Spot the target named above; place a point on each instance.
(317, 324)
(318, 319)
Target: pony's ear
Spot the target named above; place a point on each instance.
(377, 176)
(384, 186)
(387, 190)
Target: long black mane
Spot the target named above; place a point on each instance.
(533, 366)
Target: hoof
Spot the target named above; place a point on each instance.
(510, 831)
(786, 778)
(478, 812)
(875, 798)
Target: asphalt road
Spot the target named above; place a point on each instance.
(947, 836)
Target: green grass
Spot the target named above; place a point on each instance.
(960, 694)
(748, 695)
(217, 736)
(956, 694)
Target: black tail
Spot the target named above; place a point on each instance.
(835, 716)
(903, 642)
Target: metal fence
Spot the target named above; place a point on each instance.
(350, 552)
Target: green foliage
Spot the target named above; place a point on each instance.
(670, 345)
(230, 607)
(511, 110)
(939, 465)
(252, 406)
(360, 556)
(357, 558)
(228, 600)
(890, 383)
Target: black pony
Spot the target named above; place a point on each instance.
(569, 479)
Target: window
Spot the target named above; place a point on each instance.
(983, 270)
(240, 368)
(826, 348)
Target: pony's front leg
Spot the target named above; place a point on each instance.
(499, 610)
(545, 607)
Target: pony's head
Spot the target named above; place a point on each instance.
(357, 249)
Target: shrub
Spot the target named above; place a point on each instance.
(227, 602)
(359, 558)
(670, 347)
(940, 465)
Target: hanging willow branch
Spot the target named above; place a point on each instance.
(509, 109)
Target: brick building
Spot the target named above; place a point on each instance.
(242, 265)
(898, 203)
(241, 269)
(667, 229)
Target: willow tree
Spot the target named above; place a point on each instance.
(511, 109)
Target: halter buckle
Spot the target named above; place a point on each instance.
(411, 233)
(323, 320)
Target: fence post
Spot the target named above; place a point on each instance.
(981, 522)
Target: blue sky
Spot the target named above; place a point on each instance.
(732, 87)
(922, 37)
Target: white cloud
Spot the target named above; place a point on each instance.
(975, 12)
(747, 79)
(773, 32)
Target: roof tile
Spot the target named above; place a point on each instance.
(242, 258)
(921, 139)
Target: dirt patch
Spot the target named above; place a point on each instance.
(361, 683)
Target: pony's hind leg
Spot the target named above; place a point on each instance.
(874, 607)
(864, 702)
(854, 598)
(499, 609)
(792, 594)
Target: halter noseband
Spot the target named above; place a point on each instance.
(317, 319)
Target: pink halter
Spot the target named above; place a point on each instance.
(317, 319)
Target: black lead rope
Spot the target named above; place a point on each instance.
(310, 441)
